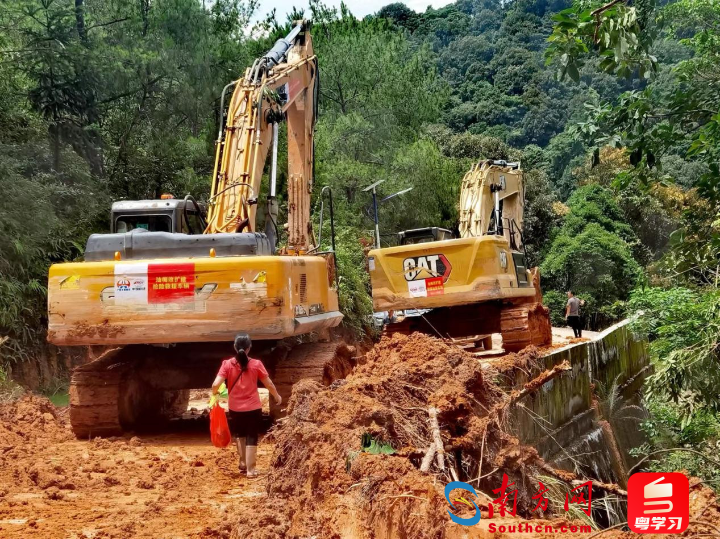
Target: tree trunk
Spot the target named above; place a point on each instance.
(615, 453)
(80, 21)
(144, 10)
(55, 142)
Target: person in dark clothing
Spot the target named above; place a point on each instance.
(390, 317)
(572, 313)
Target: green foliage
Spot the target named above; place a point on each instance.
(611, 405)
(684, 328)
(401, 15)
(590, 256)
(652, 213)
(366, 67)
(42, 211)
(593, 203)
(675, 115)
(491, 55)
(556, 301)
(374, 446)
(355, 301)
(540, 217)
(619, 34)
(595, 263)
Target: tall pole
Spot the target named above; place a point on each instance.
(377, 220)
(375, 209)
(273, 164)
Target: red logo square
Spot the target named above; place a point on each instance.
(658, 502)
(435, 286)
(171, 283)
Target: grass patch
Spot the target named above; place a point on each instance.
(60, 398)
(9, 390)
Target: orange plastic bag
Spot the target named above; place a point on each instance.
(219, 429)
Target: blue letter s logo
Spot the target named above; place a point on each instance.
(456, 519)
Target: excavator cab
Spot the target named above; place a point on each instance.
(165, 215)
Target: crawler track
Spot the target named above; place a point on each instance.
(95, 395)
(138, 387)
(524, 325)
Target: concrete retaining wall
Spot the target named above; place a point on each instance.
(561, 419)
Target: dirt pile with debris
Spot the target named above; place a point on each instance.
(166, 485)
(323, 483)
(31, 421)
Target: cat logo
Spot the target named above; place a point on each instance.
(423, 267)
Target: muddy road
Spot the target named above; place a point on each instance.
(350, 460)
(171, 485)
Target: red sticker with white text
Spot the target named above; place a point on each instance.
(435, 286)
(169, 283)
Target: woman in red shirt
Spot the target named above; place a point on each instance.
(241, 375)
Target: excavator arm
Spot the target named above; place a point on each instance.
(280, 85)
(492, 200)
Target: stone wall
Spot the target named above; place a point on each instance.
(564, 419)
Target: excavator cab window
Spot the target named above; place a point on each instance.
(424, 235)
(195, 225)
(151, 223)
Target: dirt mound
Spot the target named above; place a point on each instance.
(355, 459)
(347, 458)
(31, 419)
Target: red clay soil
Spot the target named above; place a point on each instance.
(166, 486)
(322, 484)
(576, 340)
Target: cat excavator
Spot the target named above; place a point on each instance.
(467, 288)
(164, 293)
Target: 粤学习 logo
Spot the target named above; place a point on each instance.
(658, 502)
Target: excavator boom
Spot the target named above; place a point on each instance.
(281, 84)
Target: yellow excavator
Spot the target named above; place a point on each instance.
(166, 291)
(470, 287)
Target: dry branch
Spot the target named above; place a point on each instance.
(439, 447)
(539, 381)
(428, 458)
(575, 481)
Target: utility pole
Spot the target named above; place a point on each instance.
(375, 209)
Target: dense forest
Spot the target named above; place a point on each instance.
(611, 109)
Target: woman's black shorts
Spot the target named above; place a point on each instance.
(246, 424)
